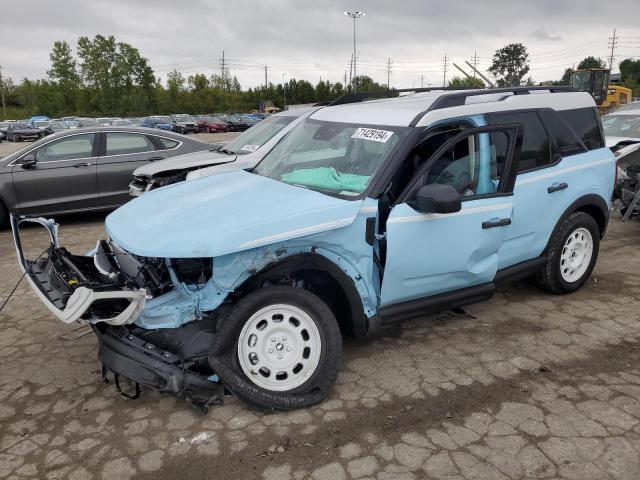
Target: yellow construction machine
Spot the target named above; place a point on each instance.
(607, 95)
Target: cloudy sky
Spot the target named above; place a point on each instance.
(313, 40)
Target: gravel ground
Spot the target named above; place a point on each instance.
(527, 385)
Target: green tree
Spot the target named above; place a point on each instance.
(510, 65)
(466, 82)
(64, 72)
(591, 62)
(630, 75)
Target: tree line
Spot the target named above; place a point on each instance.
(109, 78)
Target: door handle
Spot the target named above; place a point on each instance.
(82, 165)
(503, 222)
(556, 187)
(153, 159)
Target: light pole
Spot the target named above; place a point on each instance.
(354, 15)
(284, 94)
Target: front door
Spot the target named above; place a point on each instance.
(428, 254)
(63, 177)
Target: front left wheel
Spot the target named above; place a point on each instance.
(280, 348)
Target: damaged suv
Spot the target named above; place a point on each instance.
(365, 214)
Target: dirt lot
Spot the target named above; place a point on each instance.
(528, 385)
(10, 147)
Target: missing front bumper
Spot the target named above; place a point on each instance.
(71, 287)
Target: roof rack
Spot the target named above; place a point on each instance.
(454, 97)
(457, 99)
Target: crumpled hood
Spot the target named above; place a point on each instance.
(222, 214)
(188, 160)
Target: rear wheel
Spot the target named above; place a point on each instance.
(572, 254)
(280, 349)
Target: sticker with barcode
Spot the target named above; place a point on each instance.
(372, 134)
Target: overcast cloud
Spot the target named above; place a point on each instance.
(313, 40)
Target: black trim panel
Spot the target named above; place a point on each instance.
(519, 271)
(399, 312)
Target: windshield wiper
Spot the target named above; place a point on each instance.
(226, 151)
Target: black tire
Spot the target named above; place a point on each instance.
(550, 277)
(224, 354)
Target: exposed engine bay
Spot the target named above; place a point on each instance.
(107, 290)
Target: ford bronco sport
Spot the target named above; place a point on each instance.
(364, 214)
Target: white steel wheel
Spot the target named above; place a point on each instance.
(576, 255)
(279, 347)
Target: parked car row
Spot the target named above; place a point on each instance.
(41, 126)
(245, 275)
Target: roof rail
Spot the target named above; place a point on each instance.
(363, 96)
(458, 99)
(455, 96)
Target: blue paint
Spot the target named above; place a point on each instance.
(222, 214)
(246, 222)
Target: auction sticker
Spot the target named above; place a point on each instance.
(372, 134)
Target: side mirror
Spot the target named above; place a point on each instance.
(436, 198)
(28, 161)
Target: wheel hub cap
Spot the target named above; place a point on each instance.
(279, 347)
(576, 255)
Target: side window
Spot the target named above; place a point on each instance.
(473, 166)
(536, 148)
(584, 121)
(162, 143)
(68, 148)
(565, 140)
(120, 143)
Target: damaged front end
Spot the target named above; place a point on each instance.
(109, 290)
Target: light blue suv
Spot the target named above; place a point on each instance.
(365, 214)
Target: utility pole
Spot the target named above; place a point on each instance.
(345, 78)
(4, 106)
(475, 62)
(465, 73)
(421, 81)
(351, 69)
(284, 94)
(355, 16)
(266, 83)
(489, 82)
(445, 64)
(388, 73)
(222, 75)
(613, 41)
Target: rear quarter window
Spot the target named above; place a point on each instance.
(586, 124)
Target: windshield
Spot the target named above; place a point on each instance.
(22, 125)
(628, 106)
(183, 118)
(252, 139)
(581, 81)
(41, 124)
(73, 123)
(621, 126)
(331, 157)
(58, 125)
